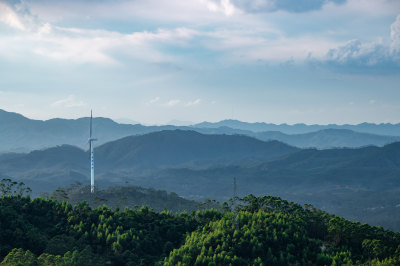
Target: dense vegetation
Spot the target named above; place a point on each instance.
(129, 196)
(252, 230)
(198, 166)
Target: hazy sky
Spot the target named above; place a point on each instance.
(152, 61)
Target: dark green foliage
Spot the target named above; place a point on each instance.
(9, 187)
(60, 244)
(268, 238)
(130, 196)
(54, 228)
(18, 256)
(269, 231)
(276, 232)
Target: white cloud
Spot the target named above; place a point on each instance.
(223, 6)
(9, 17)
(354, 49)
(379, 53)
(86, 45)
(395, 36)
(154, 100)
(191, 103)
(251, 47)
(96, 46)
(70, 102)
(204, 11)
(372, 101)
(173, 102)
(46, 28)
(241, 37)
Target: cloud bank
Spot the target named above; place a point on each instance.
(238, 31)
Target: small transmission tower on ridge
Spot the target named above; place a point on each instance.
(90, 140)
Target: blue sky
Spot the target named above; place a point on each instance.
(153, 61)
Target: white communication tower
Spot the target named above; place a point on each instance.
(90, 140)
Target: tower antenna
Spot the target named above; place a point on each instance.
(90, 140)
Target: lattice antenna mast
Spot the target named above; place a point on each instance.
(90, 140)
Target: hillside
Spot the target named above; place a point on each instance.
(328, 138)
(264, 230)
(128, 196)
(308, 169)
(45, 170)
(21, 134)
(178, 147)
(333, 180)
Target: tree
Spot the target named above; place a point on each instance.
(9, 187)
(18, 256)
(59, 195)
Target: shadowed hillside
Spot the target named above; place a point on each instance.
(61, 166)
(174, 148)
(328, 138)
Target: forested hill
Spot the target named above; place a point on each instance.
(176, 147)
(262, 231)
(359, 184)
(128, 196)
(65, 164)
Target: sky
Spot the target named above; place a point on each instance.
(155, 61)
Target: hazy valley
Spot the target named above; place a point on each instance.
(201, 166)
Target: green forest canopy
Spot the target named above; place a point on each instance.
(256, 230)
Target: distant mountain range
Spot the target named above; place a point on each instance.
(327, 138)
(358, 183)
(21, 134)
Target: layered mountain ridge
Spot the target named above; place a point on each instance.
(21, 134)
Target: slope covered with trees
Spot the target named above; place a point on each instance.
(129, 196)
(257, 231)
